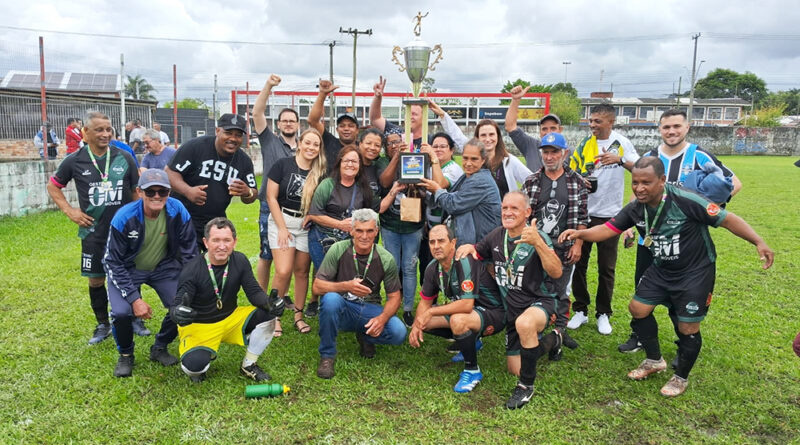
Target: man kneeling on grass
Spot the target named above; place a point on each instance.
(349, 282)
(674, 223)
(523, 259)
(206, 310)
(470, 312)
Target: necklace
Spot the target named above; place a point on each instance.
(650, 228)
(441, 276)
(217, 289)
(369, 261)
(106, 184)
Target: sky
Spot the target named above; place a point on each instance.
(633, 48)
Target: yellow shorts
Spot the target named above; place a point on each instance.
(210, 335)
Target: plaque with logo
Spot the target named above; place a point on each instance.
(413, 167)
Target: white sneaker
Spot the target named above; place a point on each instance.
(603, 326)
(578, 319)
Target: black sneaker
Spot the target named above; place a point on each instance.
(254, 372)
(555, 354)
(160, 355)
(408, 318)
(288, 302)
(567, 340)
(520, 396)
(124, 366)
(312, 309)
(101, 332)
(197, 378)
(366, 349)
(632, 345)
(139, 328)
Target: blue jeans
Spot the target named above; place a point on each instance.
(337, 314)
(315, 249)
(404, 247)
(263, 217)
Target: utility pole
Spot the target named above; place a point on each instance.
(122, 97)
(332, 98)
(45, 133)
(354, 33)
(678, 97)
(566, 64)
(695, 37)
(214, 102)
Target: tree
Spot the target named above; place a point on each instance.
(137, 87)
(728, 83)
(765, 117)
(564, 87)
(427, 85)
(790, 99)
(523, 83)
(190, 103)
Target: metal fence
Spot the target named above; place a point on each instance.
(21, 112)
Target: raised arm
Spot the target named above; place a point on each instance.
(317, 110)
(376, 118)
(260, 107)
(513, 108)
(449, 125)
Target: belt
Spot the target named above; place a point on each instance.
(291, 212)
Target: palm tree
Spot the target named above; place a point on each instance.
(137, 87)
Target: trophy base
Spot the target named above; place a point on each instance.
(415, 101)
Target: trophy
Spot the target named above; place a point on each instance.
(417, 57)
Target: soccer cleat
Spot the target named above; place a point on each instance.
(459, 357)
(578, 319)
(674, 387)
(520, 396)
(254, 372)
(365, 348)
(139, 328)
(124, 367)
(632, 345)
(648, 367)
(312, 309)
(101, 332)
(408, 318)
(555, 354)
(603, 325)
(467, 381)
(567, 340)
(160, 355)
(325, 369)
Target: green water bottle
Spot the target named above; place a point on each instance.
(266, 390)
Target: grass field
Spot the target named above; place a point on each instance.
(745, 388)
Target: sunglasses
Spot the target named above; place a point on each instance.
(152, 192)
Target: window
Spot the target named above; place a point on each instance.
(698, 113)
(714, 113)
(629, 112)
(643, 113)
(585, 113)
(731, 113)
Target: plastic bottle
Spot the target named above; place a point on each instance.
(266, 390)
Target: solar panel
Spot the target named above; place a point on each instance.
(77, 81)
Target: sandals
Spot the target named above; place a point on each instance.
(278, 331)
(304, 328)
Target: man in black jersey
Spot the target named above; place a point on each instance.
(474, 305)
(105, 179)
(674, 224)
(206, 309)
(207, 171)
(523, 258)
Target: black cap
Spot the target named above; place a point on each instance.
(230, 121)
(350, 116)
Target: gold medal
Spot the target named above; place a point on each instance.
(648, 241)
(219, 305)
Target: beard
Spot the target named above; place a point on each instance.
(288, 135)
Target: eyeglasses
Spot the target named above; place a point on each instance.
(553, 190)
(287, 122)
(394, 143)
(440, 146)
(152, 192)
(349, 161)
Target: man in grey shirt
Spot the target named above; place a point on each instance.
(273, 148)
(527, 144)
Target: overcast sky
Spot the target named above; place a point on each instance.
(638, 48)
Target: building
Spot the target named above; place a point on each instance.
(645, 111)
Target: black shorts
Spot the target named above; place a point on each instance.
(92, 251)
(547, 304)
(689, 294)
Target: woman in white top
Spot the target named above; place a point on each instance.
(508, 171)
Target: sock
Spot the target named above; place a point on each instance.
(440, 332)
(688, 350)
(647, 330)
(98, 299)
(674, 317)
(260, 338)
(466, 344)
(122, 328)
(528, 359)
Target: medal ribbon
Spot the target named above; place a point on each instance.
(217, 289)
(649, 230)
(369, 260)
(103, 176)
(441, 276)
(509, 260)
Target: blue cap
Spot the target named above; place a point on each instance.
(153, 176)
(555, 140)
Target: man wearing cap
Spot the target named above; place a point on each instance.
(105, 179)
(158, 155)
(346, 125)
(207, 171)
(377, 120)
(527, 144)
(149, 242)
(558, 198)
(47, 142)
(273, 148)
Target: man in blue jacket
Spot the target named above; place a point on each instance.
(149, 242)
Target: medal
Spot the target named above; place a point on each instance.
(218, 289)
(648, 241)
(650, 228)
(219, 305)
(106, 185)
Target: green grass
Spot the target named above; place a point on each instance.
(745, 387)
